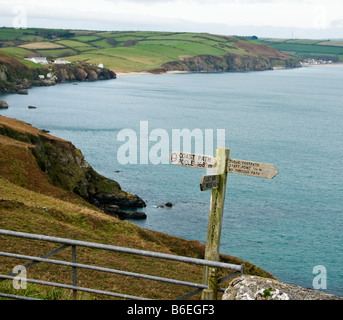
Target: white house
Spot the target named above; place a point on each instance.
(41, 60)
(61, 61)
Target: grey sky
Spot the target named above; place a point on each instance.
(269, 18)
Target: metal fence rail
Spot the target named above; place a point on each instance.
(74, 265)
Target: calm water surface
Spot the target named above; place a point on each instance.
(291, 118)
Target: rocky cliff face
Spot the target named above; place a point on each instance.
(15, 77)
(229, 62)
(208, 63)
(66, 168)
(65, 73)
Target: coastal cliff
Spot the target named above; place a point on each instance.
(40, 157)
(16, 77)
(229, 62)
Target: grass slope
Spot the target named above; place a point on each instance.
(304, 48)
(126, 51)
(29, 203)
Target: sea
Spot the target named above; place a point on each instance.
(290, 226)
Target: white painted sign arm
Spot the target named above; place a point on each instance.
(250, 168)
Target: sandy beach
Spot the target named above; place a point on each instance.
(126, 74)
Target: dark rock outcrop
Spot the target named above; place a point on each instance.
(15, 77)
(66, 73)
(115, 210)
(3, 104)
(67, 169)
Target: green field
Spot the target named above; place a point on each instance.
(73, 43)
(301, 48)
(122, 51)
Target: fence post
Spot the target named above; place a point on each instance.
(73, 249)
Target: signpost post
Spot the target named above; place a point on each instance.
(222, 165)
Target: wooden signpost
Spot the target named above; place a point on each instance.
(209, 182)
(222, 165)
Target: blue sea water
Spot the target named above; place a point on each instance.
(291, 118)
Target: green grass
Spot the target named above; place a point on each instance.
(199, 49)
(302, 41)
(8, 35)
(169, 51)
(31, 64)
(85, 38)
(102, 44)
(147, 51)
(308, 47)
(84, 49)
(331, 43)
(305, 48)
(33, 291)
(72, 43)
(119, 64)
(17, 52)
(31, 38)
(56, 53)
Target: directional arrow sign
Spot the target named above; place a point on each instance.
(209, 182)
(192, 160)
(249, 168)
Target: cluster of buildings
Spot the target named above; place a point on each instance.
(312, 61)
(44, 61)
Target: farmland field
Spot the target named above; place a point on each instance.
(331, 43)
(41, 45)
(323, 49)
(129, 50)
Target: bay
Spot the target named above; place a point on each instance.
(291, 118)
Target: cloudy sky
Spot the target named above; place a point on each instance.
(264, 18)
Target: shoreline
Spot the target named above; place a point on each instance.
(142, 73)
(324, 65)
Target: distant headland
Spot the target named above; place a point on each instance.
(39, 57)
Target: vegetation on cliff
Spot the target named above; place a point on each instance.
(39, 175)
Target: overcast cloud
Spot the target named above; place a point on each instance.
(303, 19)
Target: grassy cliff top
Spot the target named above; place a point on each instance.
(127, 51)
(308, 48)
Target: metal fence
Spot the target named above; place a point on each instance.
(66, 243)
